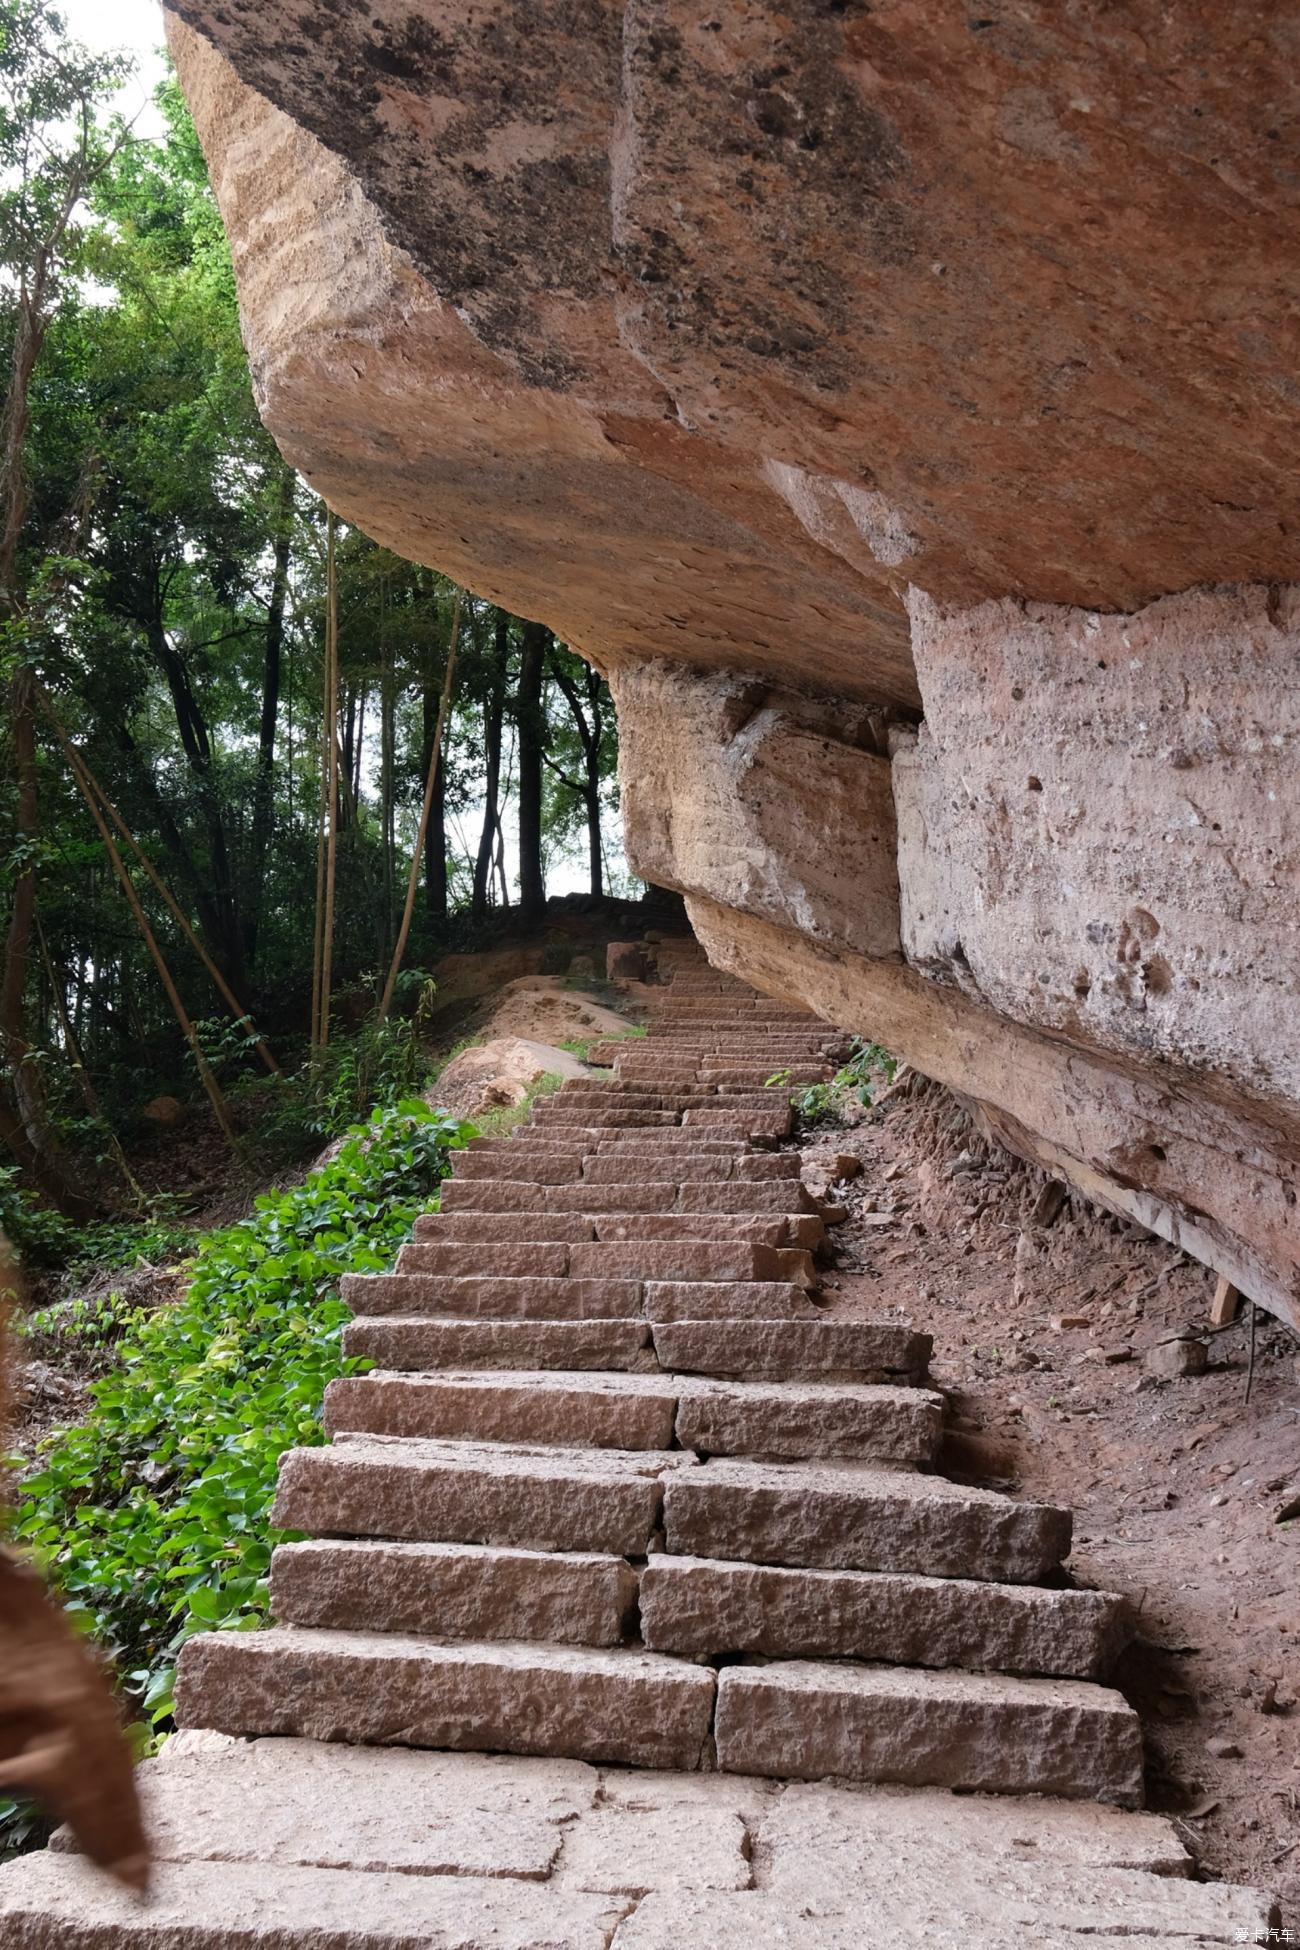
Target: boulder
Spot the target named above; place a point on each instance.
(934, 530)
(495, 1075)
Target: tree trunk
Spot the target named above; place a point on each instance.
(435, 836)
(264, 784)
(532, 887)
(493, 710)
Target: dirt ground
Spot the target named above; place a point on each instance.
(1040, 1334)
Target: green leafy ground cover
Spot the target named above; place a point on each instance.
(150, 1519)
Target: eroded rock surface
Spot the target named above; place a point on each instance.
(900, 406)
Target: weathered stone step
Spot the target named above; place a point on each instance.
(467, 1297)
(554, 1111)
(603, 1260)
(733, 1301)
(860, 1350)
(704, 1607)
(539, 1163)
(701, 1167)
(855, 1517)
(606, 1500)
(578, 1410)
(57, 1902)
(993, 1733)
(643, 1411)
(453, 1591)
(503, 1227)
(795, 1421)
(634, 1195)
(424, 1345)
(464, 1228)
(629, 1708)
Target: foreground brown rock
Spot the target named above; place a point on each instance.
(817, 372)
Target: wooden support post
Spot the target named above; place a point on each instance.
(1226, 1303)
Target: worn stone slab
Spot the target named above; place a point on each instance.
(703, 1166)
(857, 1517)
(503, 1194)
(846, 1822)
(661, 1841)
(543, 1165)
(727, 1300)
(56, 1902)
(964, 1730)
(703, 1607)
(629, 1708)
(485, 1259)
(369, 1808)
(809, 1349)
(757, 1920)
(762, 1229)
(393, 1342)
(475, 1493)
(799, 1420)
(467, 1297)
(696, 1260)
(437, 1227)
(461, 1591)
(585, 1410)
(924, 1874)
(784, 1195)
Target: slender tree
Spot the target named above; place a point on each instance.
(532, 731)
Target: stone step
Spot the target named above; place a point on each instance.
(453, 1591)
(859, 1517)
(662, 1195)
(616, 1410)
(702, 1167)
(695, 1259)
(733, 1301)
(57, 1902)
(550, 1111)
(797, 1421)
(466, 1297)
(971, 1731)
(766, 1229)
(606, 1500)
(858, 1350)
(625, 1707)
(705, 1608)
(543, 1164)
(503, 1227)
(427, 1345)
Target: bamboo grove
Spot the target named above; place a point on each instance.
(257, 770)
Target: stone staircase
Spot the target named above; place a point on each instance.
(622, 1492)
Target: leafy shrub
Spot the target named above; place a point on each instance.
(855, 1079)
(151, 1518)
(383, 1064)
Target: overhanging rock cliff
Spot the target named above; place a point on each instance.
(901, 406)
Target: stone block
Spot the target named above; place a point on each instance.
(798, 1420)
(858, 1349)
(853, 1516)
(453, 1591)
(585, 1410)
(427, 1344)
(930, 1729)
(622, 1707)
(462, 1492)
(702, 1608)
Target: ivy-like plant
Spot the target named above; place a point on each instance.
(150, 1519)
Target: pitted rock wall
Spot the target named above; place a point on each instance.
(900, 407)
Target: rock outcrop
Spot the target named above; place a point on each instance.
(900, 406)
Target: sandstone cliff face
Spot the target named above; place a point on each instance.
(900, 405)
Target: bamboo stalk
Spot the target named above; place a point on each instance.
(435, 759)
(210, 1084)
(174, 908)
(332, 827)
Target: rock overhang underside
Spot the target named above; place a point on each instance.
(900, 407)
